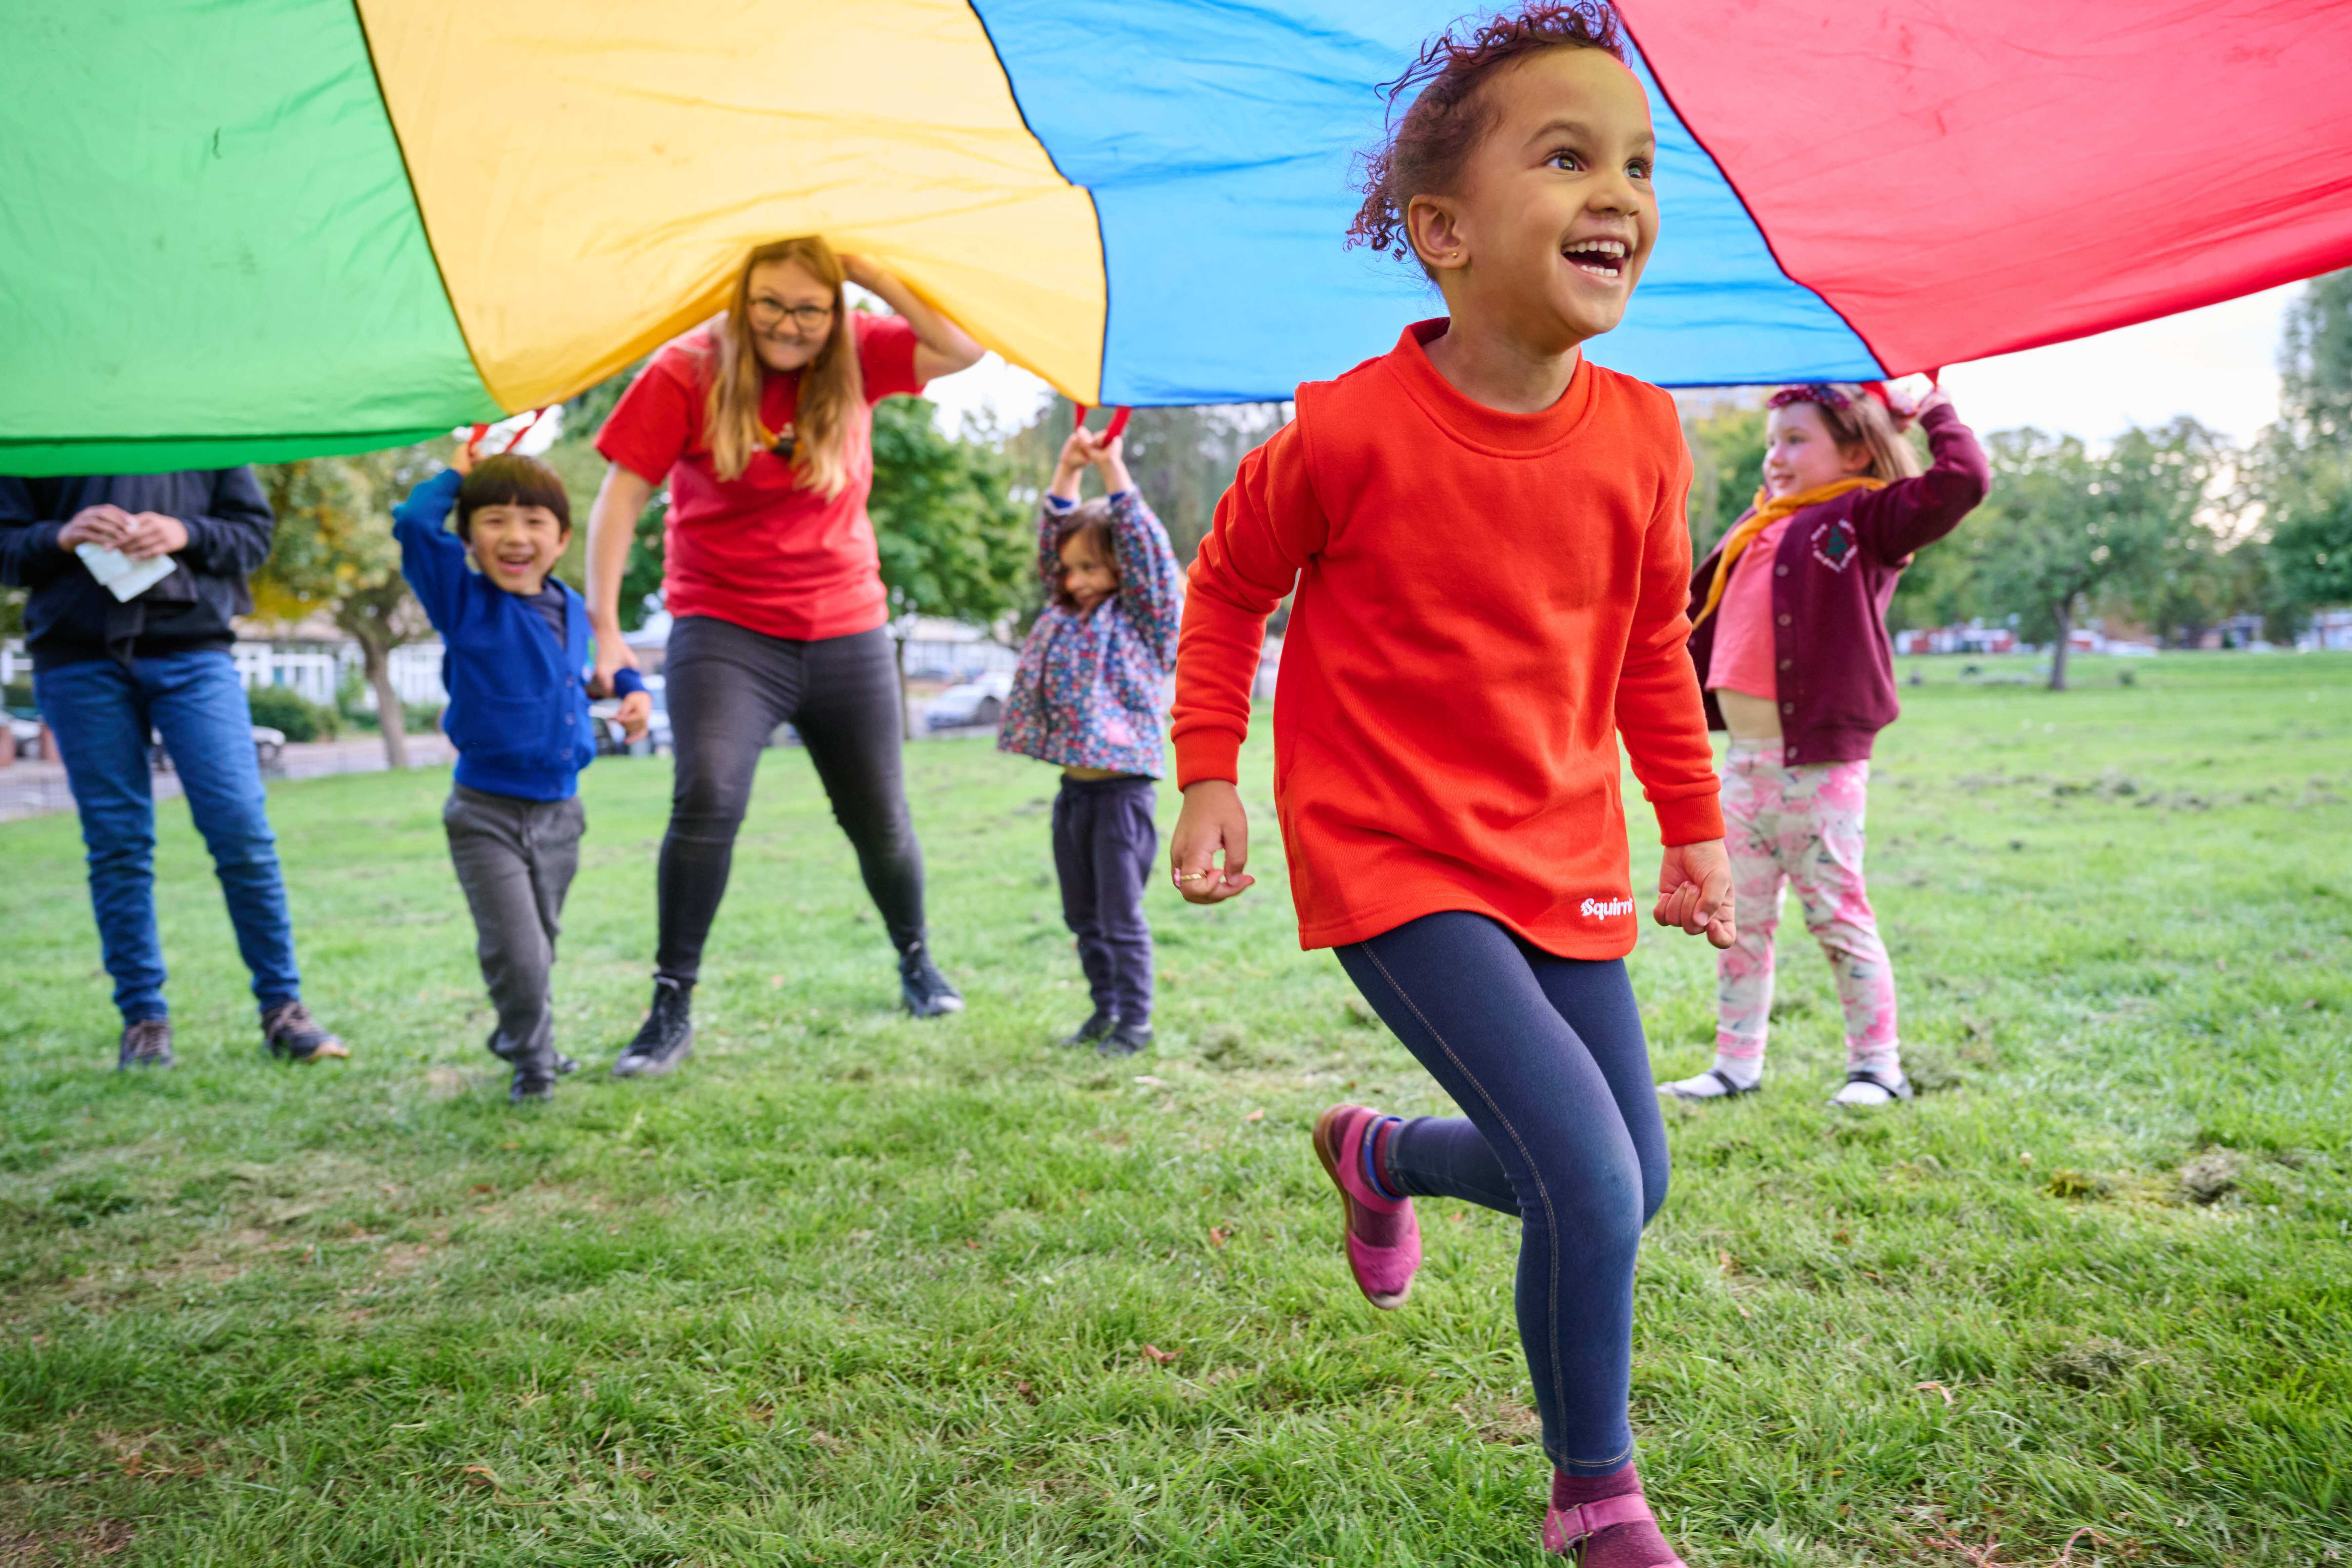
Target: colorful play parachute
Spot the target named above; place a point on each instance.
(279, 226)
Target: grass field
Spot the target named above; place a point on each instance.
(850, 1290)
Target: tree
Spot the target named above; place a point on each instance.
(334, 553)
(952, 534)
(2061, 524)
(2309, 557)
(1726, 449)
(2303, 465)
(2196, 579)
(2315, 363)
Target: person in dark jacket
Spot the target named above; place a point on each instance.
(1789, 632)
(108, 672)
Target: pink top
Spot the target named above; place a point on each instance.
(1743, 621)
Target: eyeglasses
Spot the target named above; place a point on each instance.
(804, 317)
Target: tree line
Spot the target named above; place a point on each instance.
(2171, 530)
(952, 518)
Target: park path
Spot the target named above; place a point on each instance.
(29, 788)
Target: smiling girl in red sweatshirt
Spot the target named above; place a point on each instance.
(1486, 536)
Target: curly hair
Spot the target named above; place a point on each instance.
(1423, 149)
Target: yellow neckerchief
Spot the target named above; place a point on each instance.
(1764, 515)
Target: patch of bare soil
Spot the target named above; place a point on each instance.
(84, 1542)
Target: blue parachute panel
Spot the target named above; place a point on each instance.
(1219, 141)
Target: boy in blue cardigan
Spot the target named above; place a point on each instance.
(515, 641)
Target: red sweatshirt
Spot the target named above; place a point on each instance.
(1485, 600)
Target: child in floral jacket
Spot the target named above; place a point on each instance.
(1091, 695)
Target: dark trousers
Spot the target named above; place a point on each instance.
(1104, 842)
(515, 860)
(103, 713)
(729, 688)
(1546, 1055)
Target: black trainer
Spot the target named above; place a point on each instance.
(146, 1043)
(289, 1031)
(505, 1053)
(1098, 1024)
(666, 1036)
(530, 1084)
(922, 987)
(1123, 1041)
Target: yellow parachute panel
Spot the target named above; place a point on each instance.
(591, 173)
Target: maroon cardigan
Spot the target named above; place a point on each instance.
(1832, 576)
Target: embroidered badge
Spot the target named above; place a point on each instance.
(1833, 544)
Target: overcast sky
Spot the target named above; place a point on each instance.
(2220, 364)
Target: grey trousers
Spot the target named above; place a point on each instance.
(515, 860)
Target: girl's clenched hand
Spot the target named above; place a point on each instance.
(1695, 891)
(1213, 820)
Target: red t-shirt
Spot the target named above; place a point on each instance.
(761, 551)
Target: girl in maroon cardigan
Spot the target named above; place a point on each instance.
(1789, 618)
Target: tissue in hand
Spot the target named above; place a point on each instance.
(120, 575)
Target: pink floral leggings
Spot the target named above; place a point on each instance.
(1801, 826)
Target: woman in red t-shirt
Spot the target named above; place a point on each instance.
(762, 422)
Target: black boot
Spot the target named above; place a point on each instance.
(532, 1080)
(1125, 1041)
(505, 1053)
(922, 987)
(666, 1036)
(1098, 1024)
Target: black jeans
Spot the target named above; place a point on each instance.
(729, 688)
(1546, 1057)
(515, 860)
(1105, 841)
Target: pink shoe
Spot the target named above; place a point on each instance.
(1383, 1238)
(1566, 1529)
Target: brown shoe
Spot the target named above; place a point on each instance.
(290, 1032)
(146, 1043)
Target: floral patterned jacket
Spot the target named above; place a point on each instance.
(1091, 690)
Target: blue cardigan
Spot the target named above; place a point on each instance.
(517, 707)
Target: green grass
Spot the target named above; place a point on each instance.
(853, 1289)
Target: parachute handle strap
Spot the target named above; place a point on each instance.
(1878, 389)
(480, 429)
(1118, 418)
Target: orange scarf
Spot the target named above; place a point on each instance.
(1763, 514)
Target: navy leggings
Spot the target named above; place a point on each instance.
(1104, 842)
(1546, 1055)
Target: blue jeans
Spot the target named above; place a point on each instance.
(1546, 1055)
(103, 713)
